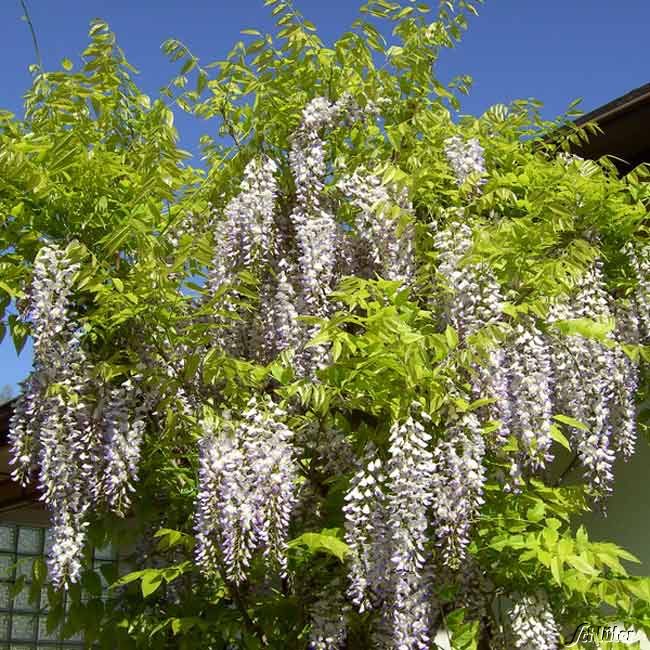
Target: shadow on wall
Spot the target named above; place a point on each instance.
(628, 510)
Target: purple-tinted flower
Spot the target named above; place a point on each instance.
(246, 493)
(387, 247)
(584, 374)
(639, 258)
(531, 381)
(470, 296)
(625, 382)
(457, 486)
(410, 493)
(124, 424)
(367, 535)
(329, 620)
(533, 624)
(466, 159)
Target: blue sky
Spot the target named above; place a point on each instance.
(555, 51)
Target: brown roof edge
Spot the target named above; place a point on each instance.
(617, 106)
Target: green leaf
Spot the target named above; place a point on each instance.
(151, 580)
(337, 348)
(556, 569)
(19, 332)
(464, 634)
(537, 512)
(66, 64)
(639, 587)
(626, 555)
(550, 536)
(451, 336)
(169, 538)
(325, 541)
(191, 366)
(559, 437)
(17, 586)
(582, 565)
(572, 422)
(128, 578)
(14, 293)
(39, 571)
(92, 583)
(587, 328)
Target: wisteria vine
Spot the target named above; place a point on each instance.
(414, 493)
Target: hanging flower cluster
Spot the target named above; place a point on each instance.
(384, 250)
(245, 239)
(531, 407)
(533, 624)
(246, 492)
(313, 222)
(410, 470)
(584, 381)
(471, 297)
(246, 235)
(532, 375)
(124, 426)
(301, 257)
(282, 330)
(466, 159)
(65, 438)
(387, 530)
(458, 478)
(366, 533)
(88, 452)
(625, 382)
(328, 619)
(640, 263)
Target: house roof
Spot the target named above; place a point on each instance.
(625, 125)
(12, 495)
(6, 410)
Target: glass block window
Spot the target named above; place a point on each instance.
(23, 624)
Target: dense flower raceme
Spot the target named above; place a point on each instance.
(300, 257)
(124, 425)
(64, 437)
(387, 530)
(532, 376)
(458, 477)
(246, 492)
(388, 252)
(625, 380)
(470, 296)
(312, 219)
(87, 455)
(586, 383)
(640, 262)
(533, 624)
(48, 311)
(410, 470)
(328, 619)
(246, 234)
(466, 159)
(244, 239)
(367, 533)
